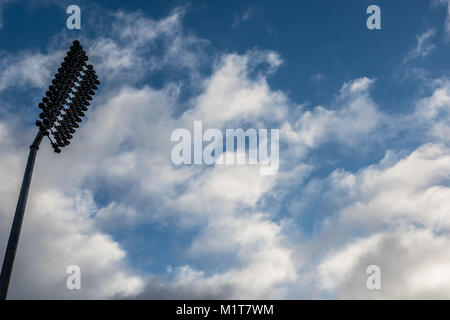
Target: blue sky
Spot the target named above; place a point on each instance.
(364, 155)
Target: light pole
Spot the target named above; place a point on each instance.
(62, 107)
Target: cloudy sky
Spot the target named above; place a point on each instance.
(364, 178)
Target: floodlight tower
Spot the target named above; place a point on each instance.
(63, 107)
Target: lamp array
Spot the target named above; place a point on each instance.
(67, 98)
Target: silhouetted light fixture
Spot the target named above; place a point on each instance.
(62, 108)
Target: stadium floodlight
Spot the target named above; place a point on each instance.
(62, 109)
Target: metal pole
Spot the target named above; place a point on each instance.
(18, 218)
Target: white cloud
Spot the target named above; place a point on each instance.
(413, 263)
(264, 261)
(125, 144)
(423, 47)
(137, 45)
(434, 111)
(231, 95)
(27, 69)
(124, 150)
(391, 194)
(447, 19)
(360, 85)
(396, 217)
(58, 231)
(60, 228)
(393, 214)
(318, 77)
(357, 117)
(245, 16)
